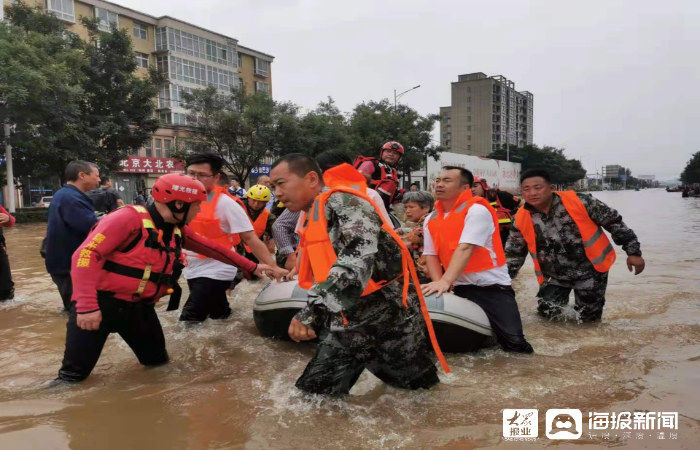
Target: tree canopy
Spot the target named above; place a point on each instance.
(691, 173)
(562, 169)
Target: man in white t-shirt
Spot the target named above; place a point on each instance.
(222, 219)
(462, 238)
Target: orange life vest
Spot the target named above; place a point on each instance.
(596, 244)
(446, 232)
(316, 255)
(206, 224)
(259, 225)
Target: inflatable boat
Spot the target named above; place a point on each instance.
(460, 325)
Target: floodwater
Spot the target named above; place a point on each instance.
(227, 387)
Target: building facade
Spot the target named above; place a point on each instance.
(192, 58)
(486, 113)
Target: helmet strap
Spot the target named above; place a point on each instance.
(185, 209)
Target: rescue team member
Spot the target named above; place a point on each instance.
(224, 221)
(563, 233)
(125, 265)
(265, 181)
(505, 204)
(7, 286)
(461, 236)
(255, 206)
(381, 173)
(357, 272)
(71, 215)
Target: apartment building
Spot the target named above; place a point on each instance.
(192, 57)
(486, 112)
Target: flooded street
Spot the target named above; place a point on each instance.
(227, 387)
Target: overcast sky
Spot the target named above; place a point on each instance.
(614, 82)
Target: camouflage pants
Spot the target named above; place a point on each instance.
(589, 297)
(399, 355)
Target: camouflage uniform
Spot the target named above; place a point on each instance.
(563, 259)
(380, 334)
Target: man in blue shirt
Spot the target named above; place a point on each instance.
(71, 216)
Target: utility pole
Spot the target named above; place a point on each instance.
(10, 174)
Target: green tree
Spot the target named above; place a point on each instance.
(324, 128)
(118, 111)
(562, 169)
(41, 89)
(69, 99)
(374, 123)
(691, 173)
(243, 129)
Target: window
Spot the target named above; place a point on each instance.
(469, 109)
(260, 86)
(141, 59)
(159, 148)
(469, 146)
(469, 99)
(179, 119)
(140, 30)
(469, 137)
(164, 118)
(107, 19)
(240, 59)
(469, 118)
(167, 143)
(262, 67)
(469, 128)
(63, 9)
(148, 148)
(193, 45)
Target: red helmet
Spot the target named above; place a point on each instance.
(178, 186)
(483, 182)
(392, 145)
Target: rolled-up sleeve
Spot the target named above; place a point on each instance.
(283, 232)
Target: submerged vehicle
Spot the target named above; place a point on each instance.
(460, 325)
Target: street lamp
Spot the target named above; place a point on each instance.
(396, 96)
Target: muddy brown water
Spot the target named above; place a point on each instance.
(228, 387)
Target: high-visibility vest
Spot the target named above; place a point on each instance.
(259, 225)
(596, 244)
(316, 255)
(208, 225)
(445, 230)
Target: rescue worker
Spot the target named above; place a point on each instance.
(236, 189)
(255, 206)
(125, 265)
(265, 181)
(381, 173)
(563, 233)
(505, 204)
(463, 250)
(224, 220)
(357, 272)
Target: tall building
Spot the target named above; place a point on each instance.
(486, 113)
(191, 56)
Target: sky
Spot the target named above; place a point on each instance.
(614, 82)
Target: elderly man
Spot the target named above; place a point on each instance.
(417, 205)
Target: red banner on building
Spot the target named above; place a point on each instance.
(144, 164)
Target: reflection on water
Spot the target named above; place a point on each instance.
(226, 386)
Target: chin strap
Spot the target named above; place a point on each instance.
(185, 209)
